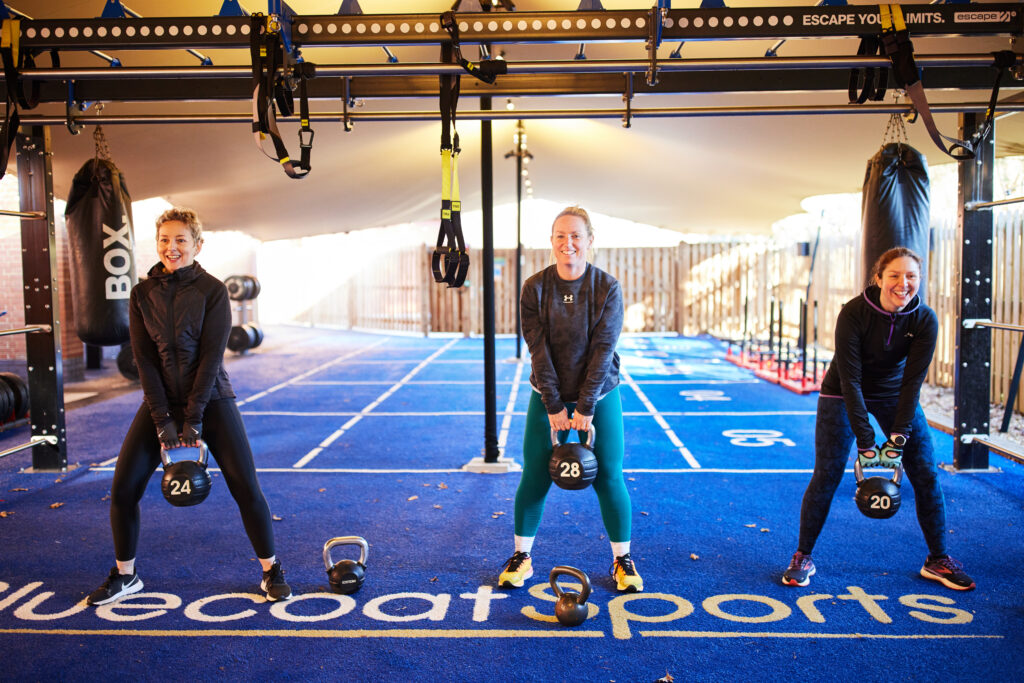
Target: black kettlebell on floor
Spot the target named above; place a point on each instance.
(573, 466)
(877, 497)
(347, 575)
(571, 608)
(185, 482)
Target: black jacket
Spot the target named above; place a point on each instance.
(571, 328)
(880, 356)
(180, 323)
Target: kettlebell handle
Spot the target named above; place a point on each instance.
(204, 452)
(591, 435)
(858, 473)
(364, 549)
(563, 570)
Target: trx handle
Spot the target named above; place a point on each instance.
(874, 80)
(895, 39)
(272, 92)
(486, 70)
(450, 261)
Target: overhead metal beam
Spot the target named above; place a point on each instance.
(214, 89)
(521, 27)
(585, 113)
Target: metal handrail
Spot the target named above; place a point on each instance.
(23, 214)
(34, 441)
(974, 206)
(971, 323)
(27, 330)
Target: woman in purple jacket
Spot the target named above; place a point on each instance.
(180, 318)
(884, 340)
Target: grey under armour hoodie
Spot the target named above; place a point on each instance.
(571, 328)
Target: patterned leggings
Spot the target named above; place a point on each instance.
(833, 441)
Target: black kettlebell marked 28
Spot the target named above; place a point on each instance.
(573, 466)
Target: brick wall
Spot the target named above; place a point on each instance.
(12, 347)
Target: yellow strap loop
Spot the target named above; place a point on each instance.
(892, 17)
(10, 35)
(446, 174)
(455, 183)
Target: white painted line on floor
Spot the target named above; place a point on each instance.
(506, 423)
(356, 470)
(349, 413)
(379, 382)
(698, 381)
(319, 368)
(369, 408)
(687, 455)
(733, 413)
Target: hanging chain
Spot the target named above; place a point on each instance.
(102, 148)
(896, 129)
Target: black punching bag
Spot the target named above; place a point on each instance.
(102, 248)
(895, 206)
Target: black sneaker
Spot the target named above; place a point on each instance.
(116, 586)
(800, 570)
(948, 572)
(274, 584)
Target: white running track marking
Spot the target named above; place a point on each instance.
(376, 402)
(687, 455)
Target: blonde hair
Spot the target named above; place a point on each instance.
(182, 215)
(578, 212)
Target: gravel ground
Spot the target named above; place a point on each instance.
(938, 403)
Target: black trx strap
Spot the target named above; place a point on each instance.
(874, 80)
(1002, 60)
(272, 92)
(486, 70)
(897, 46)
(450, 262)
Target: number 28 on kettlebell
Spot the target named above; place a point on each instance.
(573, 466)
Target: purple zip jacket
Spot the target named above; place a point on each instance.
(880, 356)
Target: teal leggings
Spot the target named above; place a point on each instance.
(609, 485)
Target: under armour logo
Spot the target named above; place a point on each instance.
(909, 334)
(567, 299)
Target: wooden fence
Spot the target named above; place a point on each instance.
(724, 288)
(397, 293)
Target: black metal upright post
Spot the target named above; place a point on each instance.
(42, 305)
(972, 376)
(491, 451)
(520, 147)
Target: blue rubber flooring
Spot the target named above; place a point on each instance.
(362, 434)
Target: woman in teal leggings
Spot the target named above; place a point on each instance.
(572, 316)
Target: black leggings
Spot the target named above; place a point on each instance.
(833, 442)
(225, 435)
